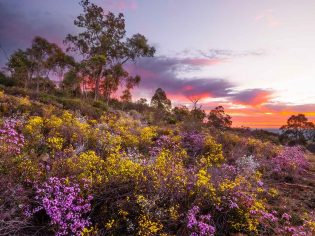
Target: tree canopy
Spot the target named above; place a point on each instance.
(160, 100)
(298, 130)
(217, 118)
(36, 62)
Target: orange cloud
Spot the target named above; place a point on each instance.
(261, 98)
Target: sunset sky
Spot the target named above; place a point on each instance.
(254, 57)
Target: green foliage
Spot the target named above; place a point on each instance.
(33, 65)
(6, 81)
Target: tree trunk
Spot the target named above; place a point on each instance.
(37, 85)
(97, 87)
(97, 83)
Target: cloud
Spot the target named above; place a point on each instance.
(163, 72)
(254, 97)
(268, 17)
(221, 53)
(251, 107)
(121, 5)
(19, 27)
(291, 109)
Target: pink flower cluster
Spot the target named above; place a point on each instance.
(11, 142)
(64, 205)
(199, 225)
(163, 142)
(193, 142)
(291, 159)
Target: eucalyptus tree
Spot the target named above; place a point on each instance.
(160, 101)
(298, 130)
(59, 62)
(105, 48)
(21, 67)
(218, 119)
(39, 54)
(36, 62)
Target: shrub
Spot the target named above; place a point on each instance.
(11, 141)
(290, 160)
(64, 204)
(199, 224)
(193, 142)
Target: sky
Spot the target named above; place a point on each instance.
(255, 58)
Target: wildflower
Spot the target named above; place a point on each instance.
(11, 142)
(199, 224)
(64, 204)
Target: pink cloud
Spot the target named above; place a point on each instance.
(202, 61)
(269, 18)
(121, 5)
(252, 97)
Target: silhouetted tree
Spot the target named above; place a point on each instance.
(160, 100)
(218, 119)
(298, 130)
(126, 96)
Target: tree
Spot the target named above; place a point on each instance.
(21, 67)
(39, 55)
(36, 62)
(105, 49)
(298, 130)
(71, 82)
(218, 119)
(160, 101)
(142, 101)
(126, 96)
(181, 113)
(60, 62)
(197, 114)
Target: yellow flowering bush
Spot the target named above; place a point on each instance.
(168, 171)
(148, 227)
(147, 134)
(212, 154)
(88, 166)
(55, 143)
(33, 129)
(105, 141)
(29, 169)
(119, 166)
(204, 184)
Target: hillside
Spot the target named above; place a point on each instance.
(72, 166)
